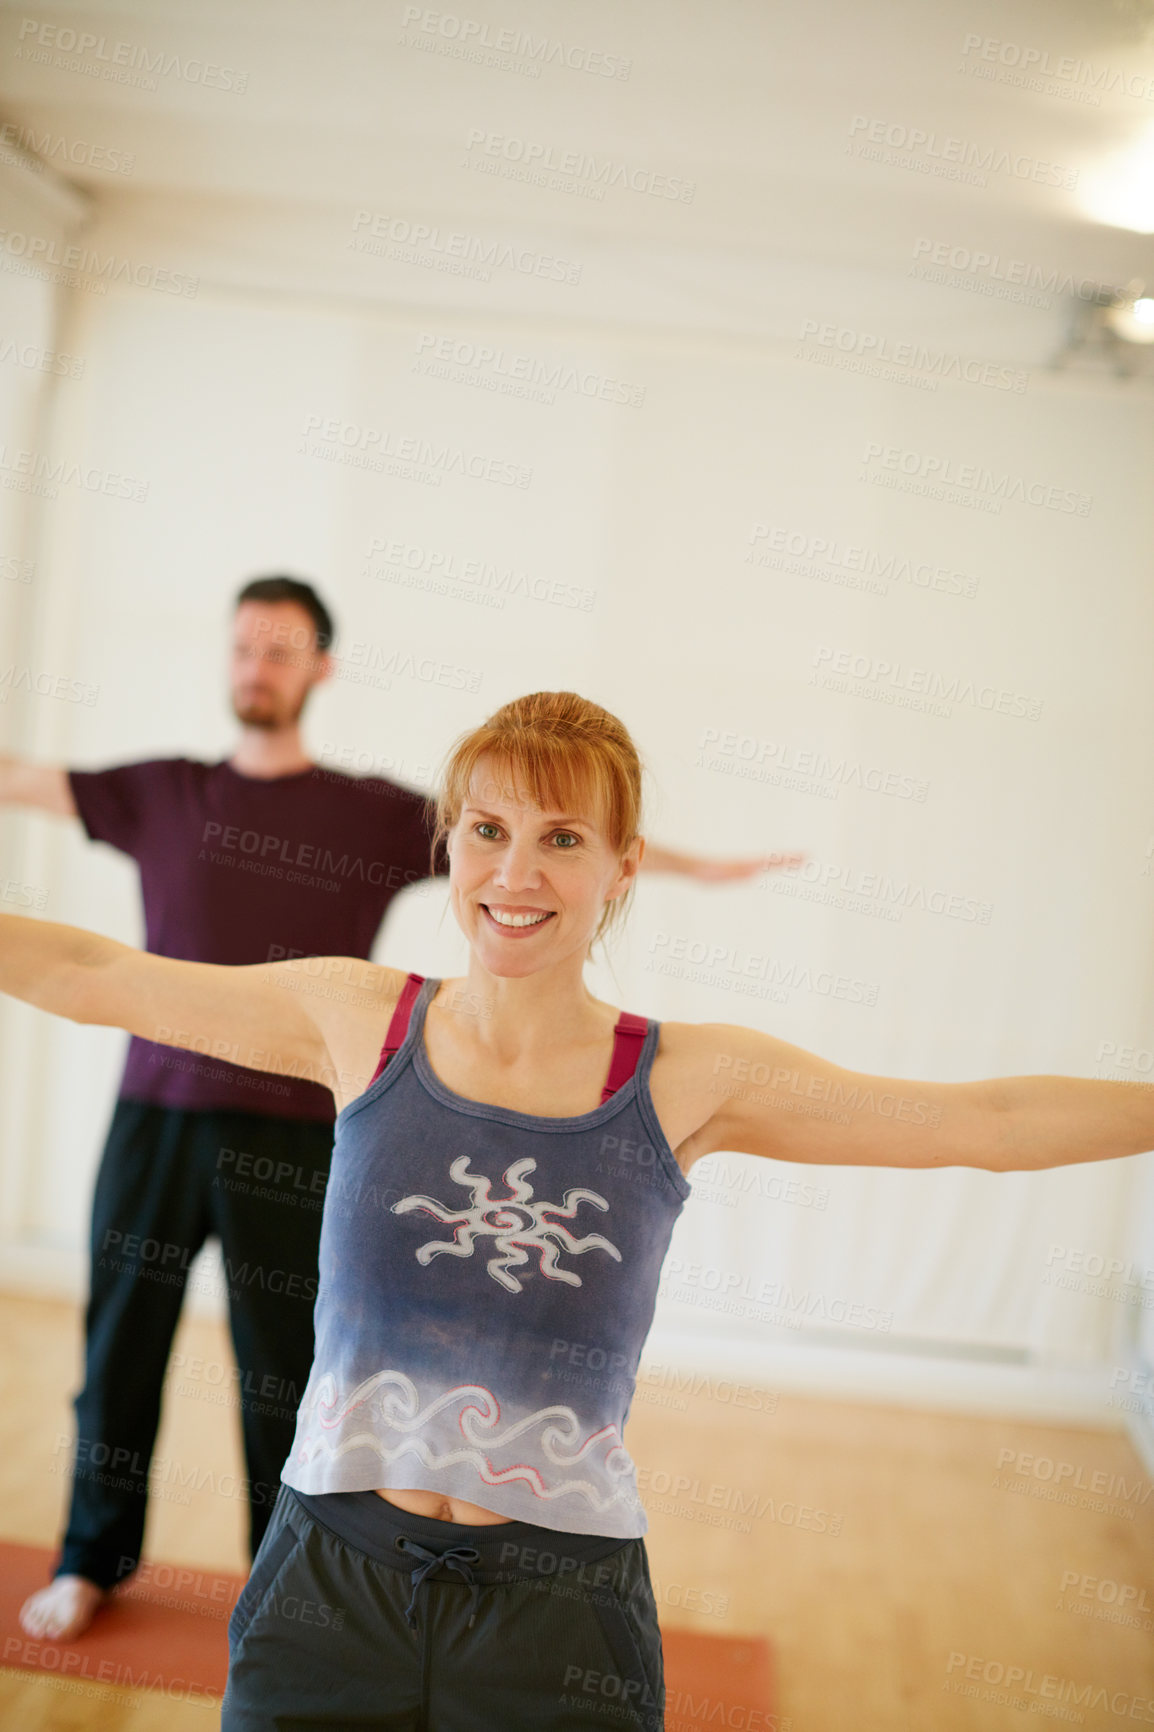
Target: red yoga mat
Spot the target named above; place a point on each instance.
(167, 1630)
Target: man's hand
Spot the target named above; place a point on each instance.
(657, 859)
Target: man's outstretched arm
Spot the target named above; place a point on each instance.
(43, 786)
(658, 859)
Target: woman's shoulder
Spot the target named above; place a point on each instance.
(691, 1056)
(699, 1058)
(695, 1040)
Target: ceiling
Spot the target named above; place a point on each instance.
(358, 107)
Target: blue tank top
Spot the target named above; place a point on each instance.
(487, 1281)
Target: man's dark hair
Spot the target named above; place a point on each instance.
(292, 589)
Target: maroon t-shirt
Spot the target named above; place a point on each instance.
(238, 869)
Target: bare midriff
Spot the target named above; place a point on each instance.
(441, 1508)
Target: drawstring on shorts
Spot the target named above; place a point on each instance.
(460, 1558)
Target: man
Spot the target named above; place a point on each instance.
(260, 856)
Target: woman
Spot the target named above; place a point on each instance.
(457, 1541)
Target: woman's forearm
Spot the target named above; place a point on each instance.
(1053, 1121)
(53, 966)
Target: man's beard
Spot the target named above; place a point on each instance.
(265, 710)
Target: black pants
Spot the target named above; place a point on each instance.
(357, 1615)
(167, 1180)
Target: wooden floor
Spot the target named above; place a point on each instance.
(899, 1571)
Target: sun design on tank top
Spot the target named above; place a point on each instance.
(515, 1224)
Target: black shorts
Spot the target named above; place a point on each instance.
(361, 1618)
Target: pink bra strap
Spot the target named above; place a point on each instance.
(628, 1039)
(399, 1026)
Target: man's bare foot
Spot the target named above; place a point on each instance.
(63, 1610)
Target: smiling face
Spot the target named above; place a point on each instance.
(529, 886)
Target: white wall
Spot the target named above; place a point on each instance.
(653, 507)
(33, 367)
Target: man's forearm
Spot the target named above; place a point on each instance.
(43, 786)
(46, 964)
(659, 859)
(712, 871)
(1054, 1121)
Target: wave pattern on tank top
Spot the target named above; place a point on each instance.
(487, 1281)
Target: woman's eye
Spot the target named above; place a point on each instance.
(566, 839)
(489, 831)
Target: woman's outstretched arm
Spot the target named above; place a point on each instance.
(318, 1018)
(763, 1096)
